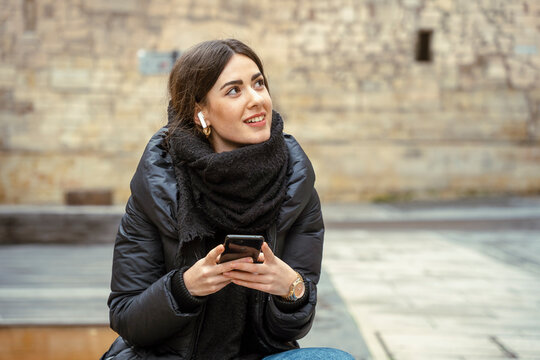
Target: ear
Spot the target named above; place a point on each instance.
(195, 117)
(199, 118)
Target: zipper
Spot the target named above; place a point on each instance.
(259, 315)
(195, 339)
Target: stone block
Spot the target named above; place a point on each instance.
(446, 5)
(59, 224)
(88, 197)
(106, 80)
(77, 29)
(430, 19)
(122, 7)
(412, 3)
(484, 101)
(313, 41)
(70, 78)
(161, 8)
(8, 75)
(496, 71)
(521, 75)
(347, 14)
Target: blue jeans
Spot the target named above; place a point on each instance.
(311, 354)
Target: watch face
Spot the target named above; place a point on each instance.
(299, 289)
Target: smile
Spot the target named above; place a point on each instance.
(255, 119)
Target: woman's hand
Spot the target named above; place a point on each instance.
(273, 276)
(206, 277)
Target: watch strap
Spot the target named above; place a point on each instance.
(291, 296)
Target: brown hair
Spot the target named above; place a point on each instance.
(196, 72)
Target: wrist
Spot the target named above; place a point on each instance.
(297, 288)
(185, 300)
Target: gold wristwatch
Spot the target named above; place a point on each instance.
(296, 289)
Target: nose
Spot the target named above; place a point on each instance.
(255, 98)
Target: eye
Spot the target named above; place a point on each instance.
(233, 91)
(259, 83)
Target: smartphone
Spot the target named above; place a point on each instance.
(241, 246)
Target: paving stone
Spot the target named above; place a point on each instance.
(439, 344)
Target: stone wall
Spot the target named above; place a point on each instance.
(75, 112)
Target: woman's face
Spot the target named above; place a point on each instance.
(238, 107)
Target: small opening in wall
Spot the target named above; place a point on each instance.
(423, 46)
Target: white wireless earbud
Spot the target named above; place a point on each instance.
(201, 119)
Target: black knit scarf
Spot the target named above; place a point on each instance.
(238, 191)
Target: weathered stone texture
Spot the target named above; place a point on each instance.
(75, 113)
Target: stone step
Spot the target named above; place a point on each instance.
(59, 224)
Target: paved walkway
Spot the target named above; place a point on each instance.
(449, 293)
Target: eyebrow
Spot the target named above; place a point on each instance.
(240, 82)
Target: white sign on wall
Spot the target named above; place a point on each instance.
(156, 62)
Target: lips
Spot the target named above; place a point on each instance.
(256, 120)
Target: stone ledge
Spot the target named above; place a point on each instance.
(59, 224)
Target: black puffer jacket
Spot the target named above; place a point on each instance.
(143, 310)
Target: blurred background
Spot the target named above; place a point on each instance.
(393, 101)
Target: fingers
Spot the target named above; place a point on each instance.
(213, 255)
(251, 280)
(231, 265)
(246, 276)
(206, 276)
(218, 283)
(267, 252)
(254, 285)
(207, 286)
(248, 267)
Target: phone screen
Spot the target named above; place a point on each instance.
(241, 246)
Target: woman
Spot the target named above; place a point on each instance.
(221, 166)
